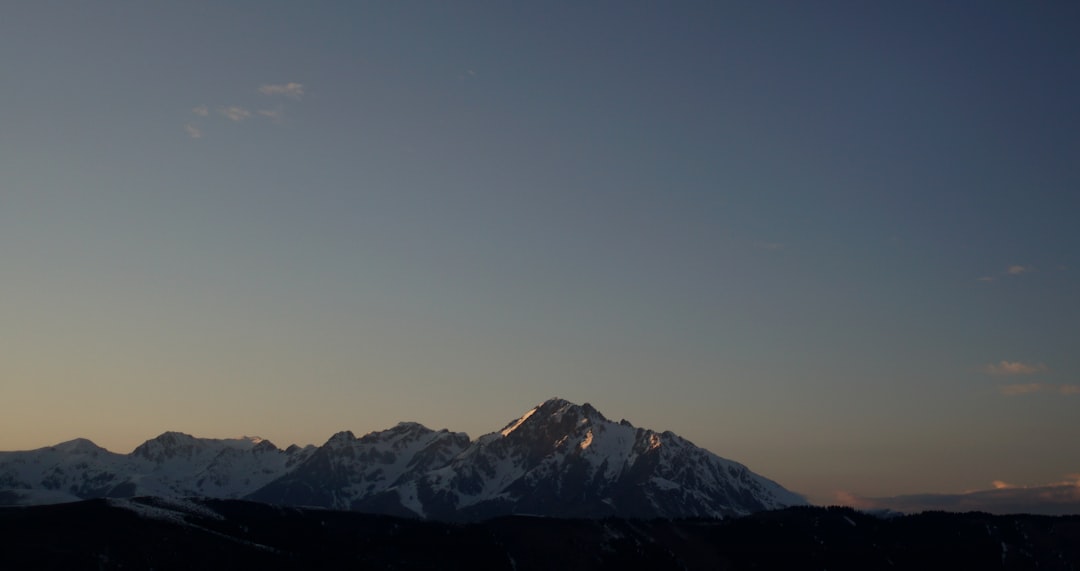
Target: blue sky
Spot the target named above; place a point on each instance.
(836, 242)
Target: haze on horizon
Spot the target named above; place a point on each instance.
(834, 242)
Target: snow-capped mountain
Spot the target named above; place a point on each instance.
(173, 464)
(569, 460)
(558, 459)
(65, 472)
(348, 472)
(562, 459)
(176, 464)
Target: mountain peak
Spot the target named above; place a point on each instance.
(558, 407)
(171, 438)
(410, 426)
(262, 445)
(79, 446)
(343, 438)
(168, 445)
(554, 410)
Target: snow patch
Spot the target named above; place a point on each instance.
(663, 483)
(506, 431)
(149, 512)
(410, 499)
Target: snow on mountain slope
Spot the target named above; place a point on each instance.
(346, 471)
(77, 468)
(558, 459)
(569, 460)
(173, 464)
(176, 464)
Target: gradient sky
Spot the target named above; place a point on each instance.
(837, 242)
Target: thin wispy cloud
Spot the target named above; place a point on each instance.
(292, 89)
(1022, 389)
(235, 113)
(274, 114)
(1032, 388)
(240, 113)
(986, 279)
(1013, 368)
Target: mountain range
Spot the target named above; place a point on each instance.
(559, 459)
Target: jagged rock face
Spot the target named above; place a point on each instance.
(348, 472)
(176, 464)
(559, 459)
(169, 445)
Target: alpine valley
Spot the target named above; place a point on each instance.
(559, 459)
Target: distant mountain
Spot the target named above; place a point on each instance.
(171, 465)
(558, 459)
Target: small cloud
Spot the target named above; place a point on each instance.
(985, 279)
(1031, 388)
(235, 113)
(201, 111)
(1013, 368)
(193, 132)
(1001, 485)
(1018, 270)
(274, 114)
(849, 499)
(293, 90)
(1022, 389)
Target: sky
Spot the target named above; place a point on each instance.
(834, 241)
